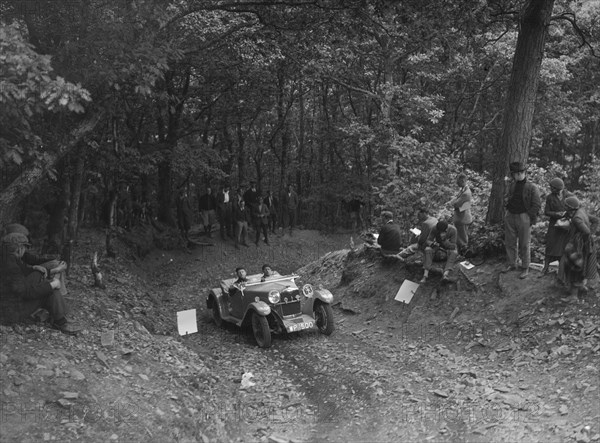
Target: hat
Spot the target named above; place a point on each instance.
(442, 226)
(386, 215)
(15, 238)
(16, 227)
(572, 203)
(557, 183)
(517, 167)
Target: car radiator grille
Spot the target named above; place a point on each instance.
(290, 308)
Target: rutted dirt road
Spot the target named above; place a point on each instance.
(489, 358)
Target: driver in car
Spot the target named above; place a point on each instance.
(240, 283)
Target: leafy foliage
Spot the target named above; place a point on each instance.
(28, 91)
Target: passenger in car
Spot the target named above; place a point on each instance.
(268, 273)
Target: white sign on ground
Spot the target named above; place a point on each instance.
(406, 291)
(186, 322)
(467, 264)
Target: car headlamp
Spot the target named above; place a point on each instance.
(274, 296)
(307, 290)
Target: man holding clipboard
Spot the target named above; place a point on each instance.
(462, 213)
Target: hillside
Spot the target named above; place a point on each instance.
(486, 358)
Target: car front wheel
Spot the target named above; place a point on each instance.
(324, 318)
(261, 330)
(216, 313)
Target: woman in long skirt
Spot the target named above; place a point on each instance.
(555, 209)
(579, 263)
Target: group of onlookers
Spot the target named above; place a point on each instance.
(570, 237)
(436, 239)
(236, 214)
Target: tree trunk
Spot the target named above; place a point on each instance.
(21, 187)
(520, 100)
(165, 193)
(76, 196)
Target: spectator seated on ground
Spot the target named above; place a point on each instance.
(441, 245)
(427, 224)
(24, 291)
(389, 236)
(48, 265)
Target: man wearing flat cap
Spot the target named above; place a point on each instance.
(522, 207)
(23, 291)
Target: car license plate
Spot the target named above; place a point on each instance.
(300, 326)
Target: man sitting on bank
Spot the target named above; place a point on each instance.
(428, 222)
(23, 291)
(48, 265)
(441, 244)
(389, 236)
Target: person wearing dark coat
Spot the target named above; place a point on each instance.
(290, 207)
(184, 215)
(522, 207)
(389, 235)
(251, 197)
(555, 209)
(46, 264)
(242, 217)
(23, 292)
(225, 212)
(261, 220)
(207, 204)
(273, 206)
(579, 262)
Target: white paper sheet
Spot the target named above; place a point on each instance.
(406, 291)
(416, 231)
(467, 264)
(186, 322)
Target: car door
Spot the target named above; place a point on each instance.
(237, 303)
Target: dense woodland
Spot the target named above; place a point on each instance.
(110, 108)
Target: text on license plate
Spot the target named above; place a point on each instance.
(300, 326)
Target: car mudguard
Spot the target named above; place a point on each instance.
(214, 294)
(260, 307)
(324, 295)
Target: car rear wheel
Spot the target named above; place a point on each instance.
(324, 318)
(261, 330)
(216, 313)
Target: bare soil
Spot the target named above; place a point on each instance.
(487, 357)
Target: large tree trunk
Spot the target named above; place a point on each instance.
(165, 193)
(520, 100)
(22, 186)
(77, 183)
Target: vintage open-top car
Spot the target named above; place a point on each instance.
(276, 305)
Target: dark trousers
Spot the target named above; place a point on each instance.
(241, 232)
(226, 225)
(291, 218)
(54, 303)
(272, 221)
(264, 228)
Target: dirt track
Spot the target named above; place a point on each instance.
(490, 358)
